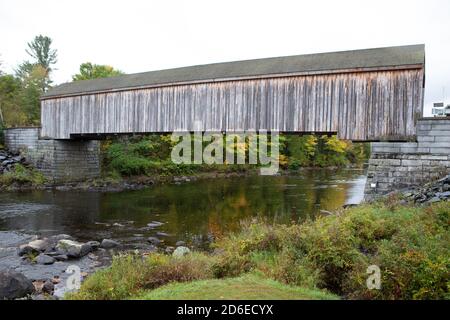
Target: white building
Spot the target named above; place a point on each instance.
(440, 111)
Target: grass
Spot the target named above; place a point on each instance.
(131, 274)
(20, 176)
(410, 244)
(245, 287)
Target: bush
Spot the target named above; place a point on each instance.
(22, 175)
(409, 244)
(131, 274)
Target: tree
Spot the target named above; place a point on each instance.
(301, 150)
(32, 88)
(94, 71)
(40, 50)
(11, 106)
(44, 57)
(36, 72)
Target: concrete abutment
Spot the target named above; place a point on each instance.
(59, 160)
(397, 165)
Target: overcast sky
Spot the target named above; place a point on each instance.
(136, 36)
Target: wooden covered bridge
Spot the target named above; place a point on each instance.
(362, 95)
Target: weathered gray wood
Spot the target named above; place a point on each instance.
(359, 106)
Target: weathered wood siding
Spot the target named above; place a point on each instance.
(376, 105)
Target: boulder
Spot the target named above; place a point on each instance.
(169, 249)
(109, 244)
(48, 287)
(26, 249)
(70, 248)
(14, 285)
(61, 257)
(39, 245)
(94, 244)
(181, 251)
(35, 247)
(180, 243)
(44, 259)
(85, 249)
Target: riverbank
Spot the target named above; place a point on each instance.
(330, 255)
(133, 163)
(28, 179)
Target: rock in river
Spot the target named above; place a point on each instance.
(94, 245)
(14, 285)
(162, 234)
(44, 259)
(39, 245)
(48, 287)
(61, 257)
(109, 244)
(70, 248)
(25, 249)
(35, 246)
(155, 224)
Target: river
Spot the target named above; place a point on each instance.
(194, 212)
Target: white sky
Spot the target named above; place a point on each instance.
(137, 36)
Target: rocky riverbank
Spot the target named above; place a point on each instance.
(33, 267)
(434, 191)
(8, 161)
(29, 179)
(44, 262)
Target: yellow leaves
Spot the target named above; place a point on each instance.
(336, 145)
(283, 160)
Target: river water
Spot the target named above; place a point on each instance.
(194, 212)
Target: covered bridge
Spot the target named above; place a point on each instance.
(362, 95)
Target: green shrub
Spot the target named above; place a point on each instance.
(409, 244)
(131, 274)
(22, 175)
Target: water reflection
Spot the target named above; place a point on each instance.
(189, 211)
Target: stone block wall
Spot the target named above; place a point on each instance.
(59, 160)
(397, 165)
(20, 138)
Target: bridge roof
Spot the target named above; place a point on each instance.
(330, 62)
